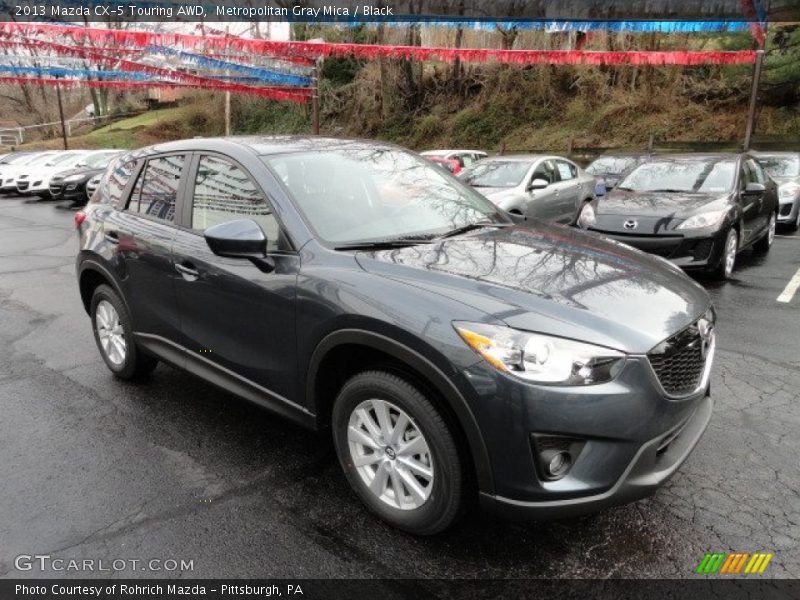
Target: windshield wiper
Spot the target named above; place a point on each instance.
(671, 191)
(471, 227)
(383, 244)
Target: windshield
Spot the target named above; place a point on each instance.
(61, 159)
(97, 161)
(496, 173)
(781, 166)
(613, 165)
(710, 175)
(368, 194)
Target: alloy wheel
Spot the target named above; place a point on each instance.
(390, 454)
(110, 332)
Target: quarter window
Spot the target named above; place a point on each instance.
(224, 192)
(156, 190)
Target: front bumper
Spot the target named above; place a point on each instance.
(689, 250)
(634, 437)
(788, 210)
(68, 191)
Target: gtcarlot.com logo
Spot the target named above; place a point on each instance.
(46, 562)
(735, 563)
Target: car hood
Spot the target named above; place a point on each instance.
(678, 205)
(497, 194)
(553, 280)
(85, 172)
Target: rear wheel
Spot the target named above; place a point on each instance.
(398, 453)
(765, 243)
(727, 261)
(113, 334)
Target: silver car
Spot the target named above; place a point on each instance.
(784, 168)
(550, 188)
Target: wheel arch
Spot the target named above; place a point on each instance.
(421, 370)
(92, 274)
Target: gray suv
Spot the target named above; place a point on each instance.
(359, 290)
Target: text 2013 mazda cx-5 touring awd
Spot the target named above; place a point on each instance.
(355, 287)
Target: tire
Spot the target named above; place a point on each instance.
(440, 492)
(112, 328)
(724, 268)
(765, 241)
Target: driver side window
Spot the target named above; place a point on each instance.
(224, 192)
(546, 170)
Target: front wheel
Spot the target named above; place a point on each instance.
(398, 453)
(765, 243)
(113, 334)
(727, 261)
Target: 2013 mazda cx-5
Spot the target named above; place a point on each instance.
(452, 353)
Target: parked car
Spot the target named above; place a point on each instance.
(458, 159)
(6, 159)
(550, 188)
(34, 180)
(451, 165)
(92, 185)
(784, 168)
(12, 169)
(450, 352)
(71, 184)
(698, 211)
(610, 169)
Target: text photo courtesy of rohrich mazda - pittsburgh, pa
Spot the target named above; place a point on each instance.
(472, 301)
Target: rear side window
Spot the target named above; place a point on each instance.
(156, 190)
(116, 178)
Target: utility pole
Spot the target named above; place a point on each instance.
(751, 113)
(61, 114)
(315, 97)
(227, 93)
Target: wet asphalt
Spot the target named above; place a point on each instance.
(95, 468)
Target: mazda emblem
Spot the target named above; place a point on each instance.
(630, 224)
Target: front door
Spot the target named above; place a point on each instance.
(234, 315)
(543, 203)
(569, 192)
(751, 203)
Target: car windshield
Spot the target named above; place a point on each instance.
(781, 166)
(700, 175)
(61, 159)
(613, 165)
(369, 194)
(38, 160)
(496, 173)
(97, 161)
(19, 160)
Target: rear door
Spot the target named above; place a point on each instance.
(234, 316)
(141, 234)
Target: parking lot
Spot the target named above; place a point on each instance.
(94, 467)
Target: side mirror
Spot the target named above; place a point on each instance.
(754, 188)
(242, 238)
(538, 184)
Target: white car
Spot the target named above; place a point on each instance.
(36, 179)
(11, 169)
(455, 160)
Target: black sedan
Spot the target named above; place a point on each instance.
(698, 211)
(71, 185)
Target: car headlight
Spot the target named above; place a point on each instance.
(706, 219)
(541, 358)
(788, 190)
(587, 217)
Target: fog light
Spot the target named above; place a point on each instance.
(558, 463)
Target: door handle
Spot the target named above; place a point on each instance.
(187, 270)
(112, 237)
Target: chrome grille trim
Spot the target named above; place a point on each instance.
(691, 336)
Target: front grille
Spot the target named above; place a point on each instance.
(55, 189)
(22, 185)
(679, 363)
(786, 209)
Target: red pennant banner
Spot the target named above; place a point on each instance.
(311, 50)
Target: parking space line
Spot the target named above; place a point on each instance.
(789, 291)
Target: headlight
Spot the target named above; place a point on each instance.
(587, 217)
(541, 358)
(706, 219)
(787, 190)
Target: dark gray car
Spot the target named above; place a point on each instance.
(549, 188)
(357, 289)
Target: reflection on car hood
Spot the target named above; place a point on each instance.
(497, 194)
(85, 171)
(553, 280)
(654, 204)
